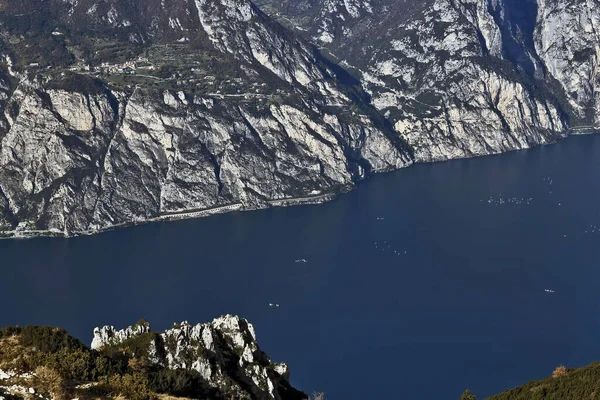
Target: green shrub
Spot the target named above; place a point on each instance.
(76, 365)
(78, 83)
(48, 339)
(9, 331)
(131, 386)
(107, 366)
(135, 347)
(179, 382)
(467, 395)
(50, 382)
(575, 384)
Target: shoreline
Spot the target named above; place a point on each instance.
(179, 216)
(286, 202)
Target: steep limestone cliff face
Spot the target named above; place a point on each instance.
(75, 163)
(84, 153)
(55, 139)
(461, 78)
(120, 112)
(224, 352)
(444, 83)
(567, 38)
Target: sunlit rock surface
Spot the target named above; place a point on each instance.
(188, 108)
(224, 352)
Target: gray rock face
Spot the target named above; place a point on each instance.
(76, 163)
(227, 110)
(567, 39)
(446, 97)
(224, 352)
(280, 129)
(109, 336)
(460, 78)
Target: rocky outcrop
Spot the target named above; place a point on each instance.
(9, 389)
(224, 352)
(219, 360)
(109, 336)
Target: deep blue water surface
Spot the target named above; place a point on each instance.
(465, 306)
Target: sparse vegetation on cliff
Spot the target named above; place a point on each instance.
(564, 384)
(51, 363)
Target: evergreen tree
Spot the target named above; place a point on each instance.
(467, 395)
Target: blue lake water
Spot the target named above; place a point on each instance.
(465, 306)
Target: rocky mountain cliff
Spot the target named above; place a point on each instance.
(216, 360)
(236, 113)
(224, 352)
(120, 112)
(461, 78)
(219, 360)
